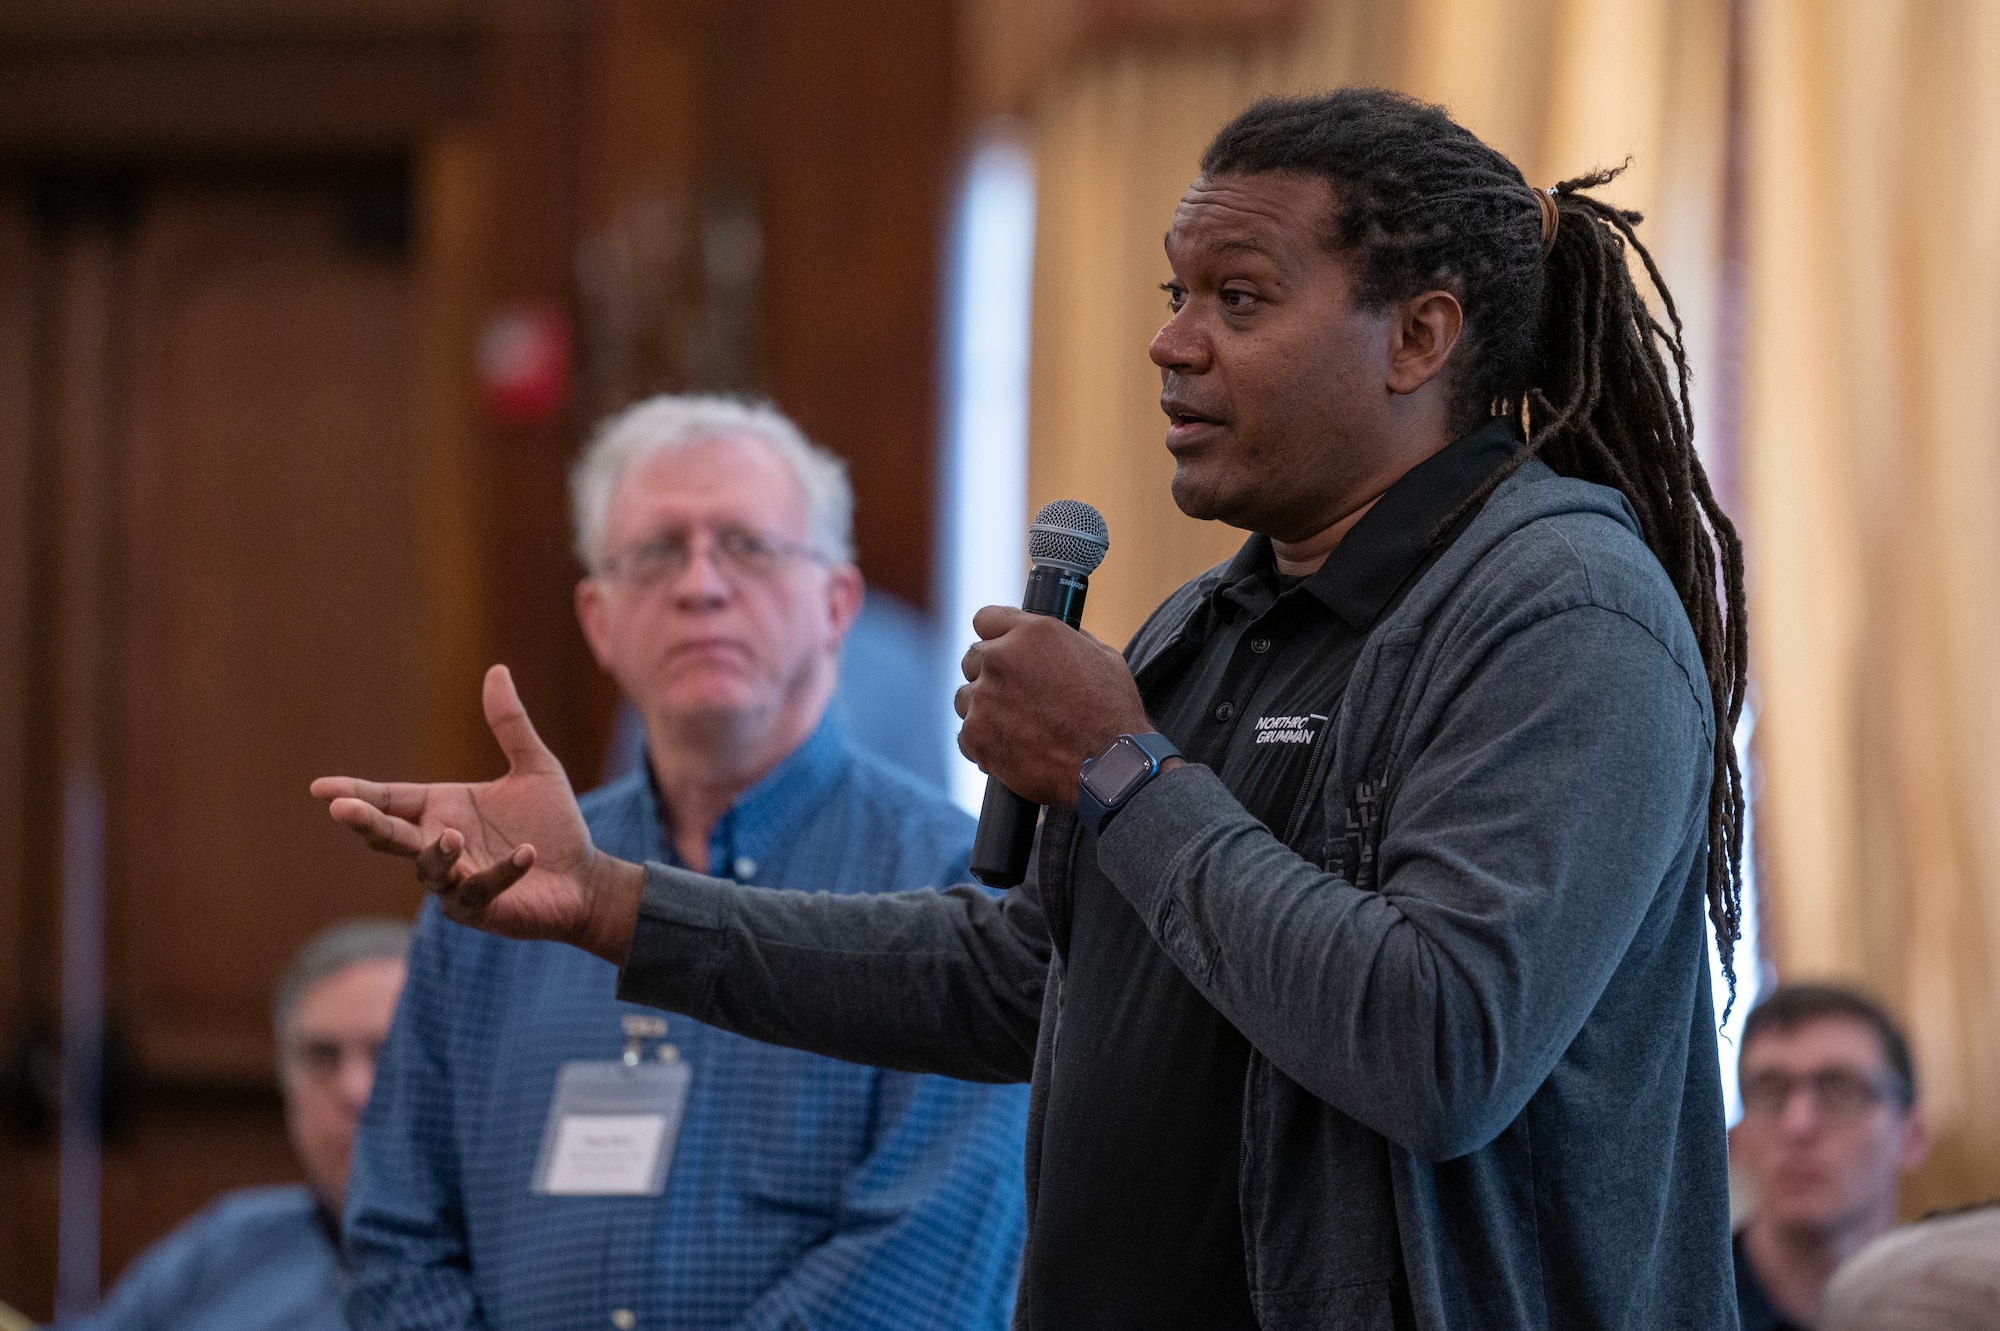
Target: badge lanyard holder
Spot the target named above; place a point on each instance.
(613, 1123)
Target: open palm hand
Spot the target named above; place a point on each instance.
(510, 856)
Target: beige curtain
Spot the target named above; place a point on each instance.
(1873, 482)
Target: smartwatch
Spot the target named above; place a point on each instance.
(1113, 777)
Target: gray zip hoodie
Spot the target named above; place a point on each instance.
(1483, 1090)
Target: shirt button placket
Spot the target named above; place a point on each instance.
(1225, 711)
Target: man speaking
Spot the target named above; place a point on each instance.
(1402, 1019)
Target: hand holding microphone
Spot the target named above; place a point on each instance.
(1043, 696)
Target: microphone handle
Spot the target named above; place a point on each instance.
(1006, 835)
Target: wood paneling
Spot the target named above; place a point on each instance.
(532, 97)
(226, 573)
(27, 1224)
(75, 19)
(17, 345)
(855, 148)
(244, 95)
(453, 192)
(272, 606)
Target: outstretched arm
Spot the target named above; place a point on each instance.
(510, 856)
(923, 981)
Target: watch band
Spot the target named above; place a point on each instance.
(1094, 812)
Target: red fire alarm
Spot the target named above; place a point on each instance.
(524, 364)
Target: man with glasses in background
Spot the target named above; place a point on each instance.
(540, 1155)
(1829, 1128)
(268, 1259)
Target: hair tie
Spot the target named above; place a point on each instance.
(1545, 199)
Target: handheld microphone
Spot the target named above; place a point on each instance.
(1066, 541)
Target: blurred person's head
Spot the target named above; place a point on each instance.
(718, 544)
(1830, 1122)
(332, 1012)
(1941, 1275)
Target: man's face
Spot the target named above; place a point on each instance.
(1823, 1139)
(1273, 381)
(724, 636)
(329, 1067)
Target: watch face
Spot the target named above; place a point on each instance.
(1117, 771)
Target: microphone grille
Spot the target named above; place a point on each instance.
(1068, 532)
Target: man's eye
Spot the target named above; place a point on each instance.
(319, 1057)
(1235, 298)
(1176, 295)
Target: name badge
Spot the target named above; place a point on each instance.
(612, 1127)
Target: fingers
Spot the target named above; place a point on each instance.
(993, 620)
(508, 720)
(466, 893)
(381, 831)
(436, 861)
(972, 662)
(399, 799)
(476, 891)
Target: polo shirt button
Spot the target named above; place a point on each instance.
(623, 1319)
(1260, 645)
(1225, 711)
(746, 868)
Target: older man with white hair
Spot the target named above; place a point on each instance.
(541, 1155)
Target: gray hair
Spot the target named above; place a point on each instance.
(1938, 1275)
(672, 421)
(333, 949)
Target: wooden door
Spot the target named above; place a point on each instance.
(239, 350)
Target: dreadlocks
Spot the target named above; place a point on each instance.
(1563, 343)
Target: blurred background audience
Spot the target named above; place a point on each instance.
(307, 305)
(1940, 1275)
(269, 1258)
(1830, 1126)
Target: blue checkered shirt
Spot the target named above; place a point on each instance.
(803, 1191)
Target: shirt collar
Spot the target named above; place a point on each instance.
(765, 818)
(1376, 557)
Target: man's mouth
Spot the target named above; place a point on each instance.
(1184, 420)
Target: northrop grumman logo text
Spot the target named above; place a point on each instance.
(1288, 729)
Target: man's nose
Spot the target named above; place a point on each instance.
(1801, 1114)
(356, 1080)
(1179, 346)
(702, 582)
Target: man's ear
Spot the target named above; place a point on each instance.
(1916, 1142)
(1422, 335)
(844, 591)
(591, 616)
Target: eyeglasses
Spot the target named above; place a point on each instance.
(1836, 1092)
(737, 551)
(320, 1059)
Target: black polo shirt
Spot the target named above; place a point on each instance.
(1753, 1305)
(1136, 1219)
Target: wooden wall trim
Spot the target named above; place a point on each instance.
(233, 95)
(18, 299)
